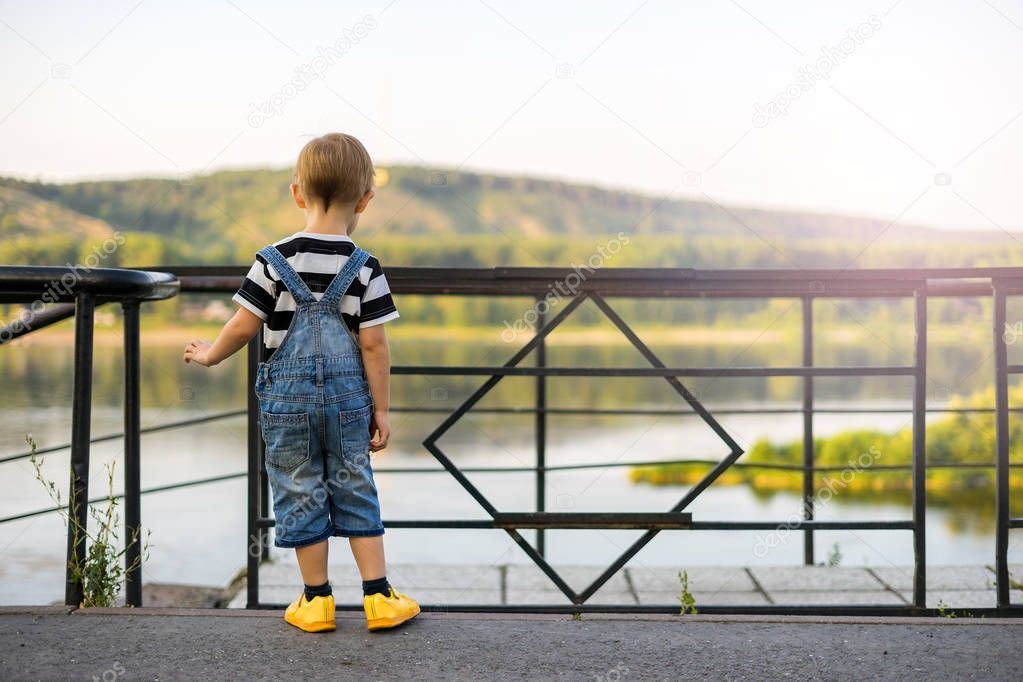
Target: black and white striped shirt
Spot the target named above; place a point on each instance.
(317, 258)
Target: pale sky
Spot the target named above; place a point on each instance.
(654, 96)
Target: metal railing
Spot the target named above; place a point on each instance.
(76, 292)
(804, 286)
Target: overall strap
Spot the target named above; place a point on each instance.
(345, 277)
(288, 276)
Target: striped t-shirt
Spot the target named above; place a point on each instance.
(317, 258)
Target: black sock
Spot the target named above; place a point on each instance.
(378, 586)
(317, 591)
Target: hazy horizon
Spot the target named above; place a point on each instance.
(581, 182)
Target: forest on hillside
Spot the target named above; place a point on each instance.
(424, 216)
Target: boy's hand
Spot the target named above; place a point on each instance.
(379, 430)
(198, 352)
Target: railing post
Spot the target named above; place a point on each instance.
(920, 448)
(254, 545)
(541, 425)
(81, 415)
(1001, 451)
(808, 447)
(264, 478)
(132, 455)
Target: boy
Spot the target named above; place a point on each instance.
(323, 385)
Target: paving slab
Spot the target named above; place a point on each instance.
(287, 573)
(939, 577)
(527, 584)
(425, 576)
(664, 597)
(836, 597)
(703, 579)
(533, 597)
(450, 597)
(965, 598)
(814, 578)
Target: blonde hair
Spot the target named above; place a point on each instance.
(334, 168)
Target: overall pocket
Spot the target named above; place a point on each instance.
(355, 434)
(287, 440)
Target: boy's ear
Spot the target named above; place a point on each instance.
(364, 201)
(299, 201)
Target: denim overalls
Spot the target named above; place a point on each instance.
(315, 409)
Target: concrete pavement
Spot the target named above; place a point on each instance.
(51, 643)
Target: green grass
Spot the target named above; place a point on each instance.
(858, 455)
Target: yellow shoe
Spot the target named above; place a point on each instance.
(387, 611)
(312, 616)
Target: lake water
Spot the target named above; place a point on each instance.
(198, 534)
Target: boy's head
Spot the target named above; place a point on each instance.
(333, 171)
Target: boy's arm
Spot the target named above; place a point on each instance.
(376, 357)
(238, 331)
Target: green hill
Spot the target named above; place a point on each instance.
(437, 217)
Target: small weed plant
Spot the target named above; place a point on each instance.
(102, 571)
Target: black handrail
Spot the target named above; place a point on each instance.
(88, 287)
(28, 283)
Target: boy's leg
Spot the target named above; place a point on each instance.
(312, 562)
(369, 556)
(313, 611)
(384, 606)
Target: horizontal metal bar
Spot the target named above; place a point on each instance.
(455, 370)
(655, 282)
(803, 524)
(156, 489)
(938, 275)
(668, 462)
(1015, 523)
(566, 520)
(605, 520)
(1010, 285)
(551, 520)
(689, 413)
(466, 524)
(116, 436)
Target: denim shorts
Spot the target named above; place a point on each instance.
(317, 454)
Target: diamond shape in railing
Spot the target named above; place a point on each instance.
(580, 597)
